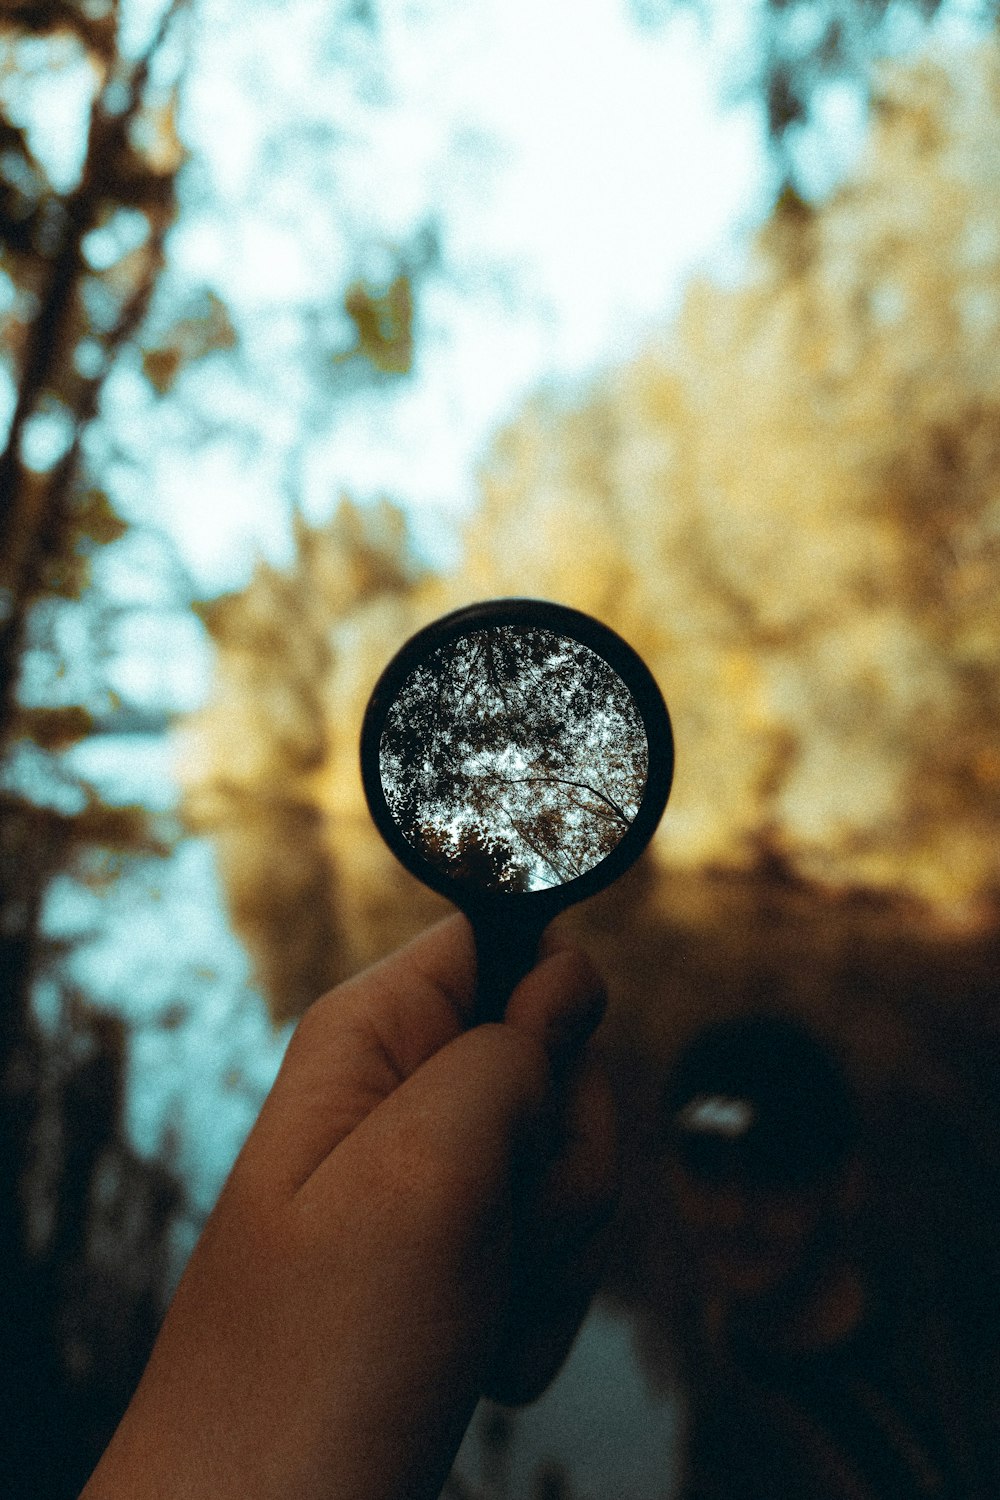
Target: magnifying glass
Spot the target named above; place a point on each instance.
(516, 756)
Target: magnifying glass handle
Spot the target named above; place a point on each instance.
(505, 951)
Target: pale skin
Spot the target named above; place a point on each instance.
(415, 1220)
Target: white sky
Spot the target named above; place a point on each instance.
(578, 166)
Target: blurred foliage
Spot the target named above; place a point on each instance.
(787, 504)
(383, 326)
(804, 51)
(203, 329)
(252, 756)
(81, 247)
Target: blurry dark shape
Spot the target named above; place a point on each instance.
(81, 1218)
(527, 742)
(551, 1482)
(383, 325)
(829, 1345)
(82, 1272)
(105, 1249)
(54, 728)
(784, 100)
(743, 1102)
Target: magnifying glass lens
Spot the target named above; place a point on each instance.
(513, 758)
(516, 756)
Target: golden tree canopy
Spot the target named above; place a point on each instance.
(789, 504)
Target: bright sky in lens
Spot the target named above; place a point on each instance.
(514, 758)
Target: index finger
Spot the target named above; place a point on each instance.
(356, 1044)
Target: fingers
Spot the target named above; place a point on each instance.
(435, 1162)
(565, 1253)
(473, 1117)
(561, 1001)
(360, 1042)
(580, 1189)
(355, 1045)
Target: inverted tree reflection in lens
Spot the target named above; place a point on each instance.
(514, 758)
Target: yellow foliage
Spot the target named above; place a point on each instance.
(383, 325)
(270, 765)
(789, 503)
(791, 506)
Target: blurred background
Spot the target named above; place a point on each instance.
(321, 319)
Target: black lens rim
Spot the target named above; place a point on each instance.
(561, 619)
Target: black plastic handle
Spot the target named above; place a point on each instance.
(506, 949)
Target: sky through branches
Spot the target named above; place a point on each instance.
(514, 758)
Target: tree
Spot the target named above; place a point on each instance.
(100, 241)
(519, 737)
(784, 503)
(483, 860)
(804, 60)
(80, 254)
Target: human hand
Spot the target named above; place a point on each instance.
(414, 1221)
